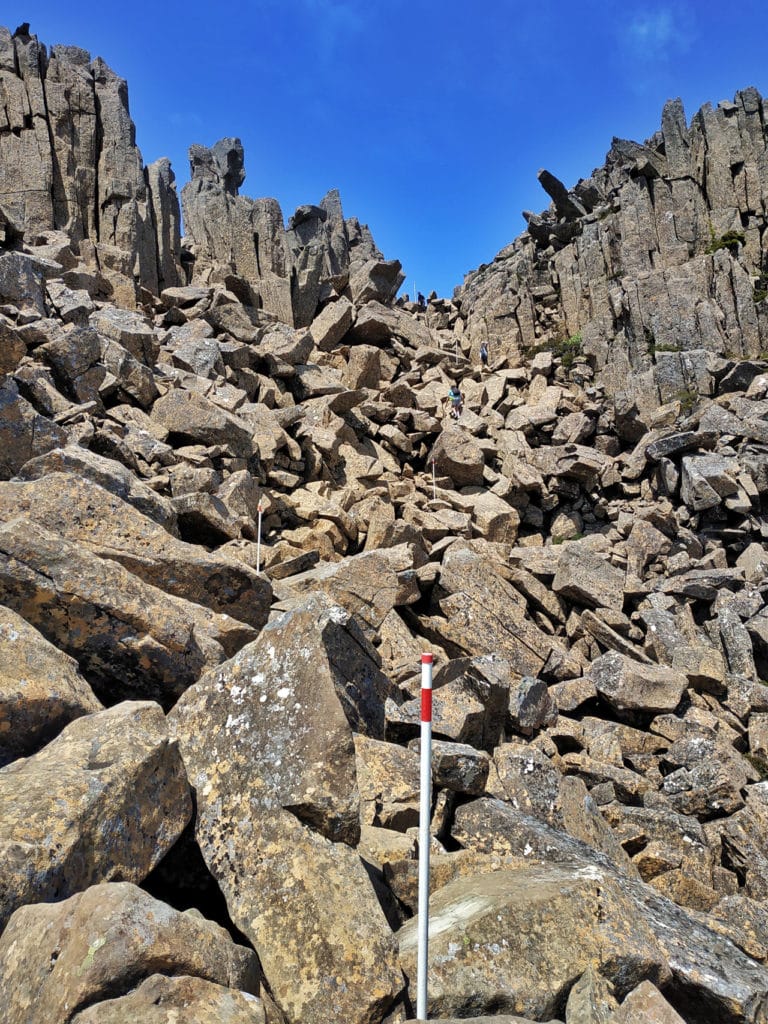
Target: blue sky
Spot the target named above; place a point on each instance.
(431, 118)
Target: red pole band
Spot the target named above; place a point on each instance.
(426, 705)
(426, 659)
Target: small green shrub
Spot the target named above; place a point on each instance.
(758, 764)
(568, 349)
(731, 241)
(687, 398)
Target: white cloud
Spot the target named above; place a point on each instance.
(659, 33)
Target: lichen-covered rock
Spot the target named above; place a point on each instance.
(105, 800)
(24, 433)
(457, 455)
(41, 689)
(107, 473)
(198, 420)
(631, 687)
(157, 999)
(267, 741)
(115, 940)
(115, 530)
(516, 940)
(130, 639)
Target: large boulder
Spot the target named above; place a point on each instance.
(24, 433)
(105, 800)
(481, 613)
(194, 419)
(107, 473)
(41, 689)
(129, 638)
(517, 940)
(160, 999)
(68, 960)
(588, 577)
(365, 584)
(631, 687)
(267, 741)
(103, 523)
(457, 455)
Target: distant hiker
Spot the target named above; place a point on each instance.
(457, 401)
(421, 301)
(484, 354)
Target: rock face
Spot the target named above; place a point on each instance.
(286, 270)
(104, 800)
(654, 262)
(278, 810)
(69, 162)
(247, 502)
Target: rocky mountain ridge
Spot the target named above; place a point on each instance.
(656, 261)
(209, 734)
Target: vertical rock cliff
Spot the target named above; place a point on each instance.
(69, 162)
(656, 260)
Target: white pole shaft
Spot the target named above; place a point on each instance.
(258, 543)
(425, 812)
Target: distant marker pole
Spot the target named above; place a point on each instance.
(425, 809)
(258, 539)
(434, 486)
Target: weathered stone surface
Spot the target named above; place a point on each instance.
(195, 419)
(366, 585)
(22, 282)
(459, 767)
(107, 473)
(159, 997)
(631, 687)
(388, 781)
(377, 280)
(114, 530)
(24, 433)
(484, 614)
(128, 329)
(331, 324)
(75, 955)
(129, 638)
(516, 940)
(646, 1005)
(714, 975)
(41, 689)
(279, 795)
(586, 577)
(105, 800)
(591, 1001)
(456, 455)
(530, 706)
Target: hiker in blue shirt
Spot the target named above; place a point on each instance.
(457, 401)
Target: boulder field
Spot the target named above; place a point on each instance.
(235, 510)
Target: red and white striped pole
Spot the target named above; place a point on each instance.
(258, 539)
(425, 812)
